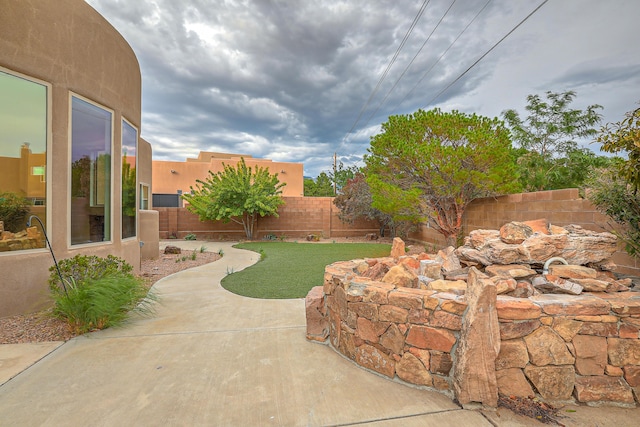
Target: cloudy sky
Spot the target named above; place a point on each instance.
(297, 80)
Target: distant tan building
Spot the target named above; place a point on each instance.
(172, 178)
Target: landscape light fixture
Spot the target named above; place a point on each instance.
(64, 287)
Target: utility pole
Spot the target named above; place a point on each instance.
(335, 170)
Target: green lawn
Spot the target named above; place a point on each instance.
(290, 270)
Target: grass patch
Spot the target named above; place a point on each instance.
(290, 270)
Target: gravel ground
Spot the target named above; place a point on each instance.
(42, 326)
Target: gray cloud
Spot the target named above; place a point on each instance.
(287, 79)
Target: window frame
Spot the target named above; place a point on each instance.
(70, 245)
(124, 120)
(148, 187)
(49, 157)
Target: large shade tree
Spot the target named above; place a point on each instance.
(432, 164)
(239, 194)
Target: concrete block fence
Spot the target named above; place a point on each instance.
(297, 218)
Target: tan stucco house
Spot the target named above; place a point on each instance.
(172, 177)
(70, 109)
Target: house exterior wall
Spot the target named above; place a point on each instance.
(171, 176)
(73, 49)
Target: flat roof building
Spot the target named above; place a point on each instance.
(172, 177)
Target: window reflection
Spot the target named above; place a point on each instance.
(90, 173)
(129, 145)
(23, 161)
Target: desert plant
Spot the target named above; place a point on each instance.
(13, 210)
(194, 255)
(99, 303)
(202, 249)
(83, 268)
(190, 236)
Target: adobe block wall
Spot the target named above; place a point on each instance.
(560, 207)
(297, 218)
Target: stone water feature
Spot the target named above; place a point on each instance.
(489, 318)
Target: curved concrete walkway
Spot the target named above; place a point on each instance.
(212, 358)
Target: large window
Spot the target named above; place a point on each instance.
(129, 179)
(23, 161)
(90, 172)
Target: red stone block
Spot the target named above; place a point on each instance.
(430, 338)
(628, 331)
(404, 299)
(374, 359)
(632, 375)
(571, 305)
(391, 313)
(517, 309)
(442, 319)
(603, 388)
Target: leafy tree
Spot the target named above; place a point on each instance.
(321, 187)
(342, 174)
(544, 173)
(549, 133)
(552, 127)
(237, 194)
(355, 202)
(624, 136)
(432, 164)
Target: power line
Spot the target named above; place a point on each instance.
(470, 67)
(410, 63)
(442, 55)
(386, 71)
(487, 52)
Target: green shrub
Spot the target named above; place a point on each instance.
(13, 210)
(100, 292)
(613, 196)
(190, 236)
(99, 303)
(83, 268)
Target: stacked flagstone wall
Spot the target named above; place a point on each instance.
(471, 343)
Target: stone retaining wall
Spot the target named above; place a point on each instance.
(582, 348)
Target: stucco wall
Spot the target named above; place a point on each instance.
(72, 48)
(171, 176)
